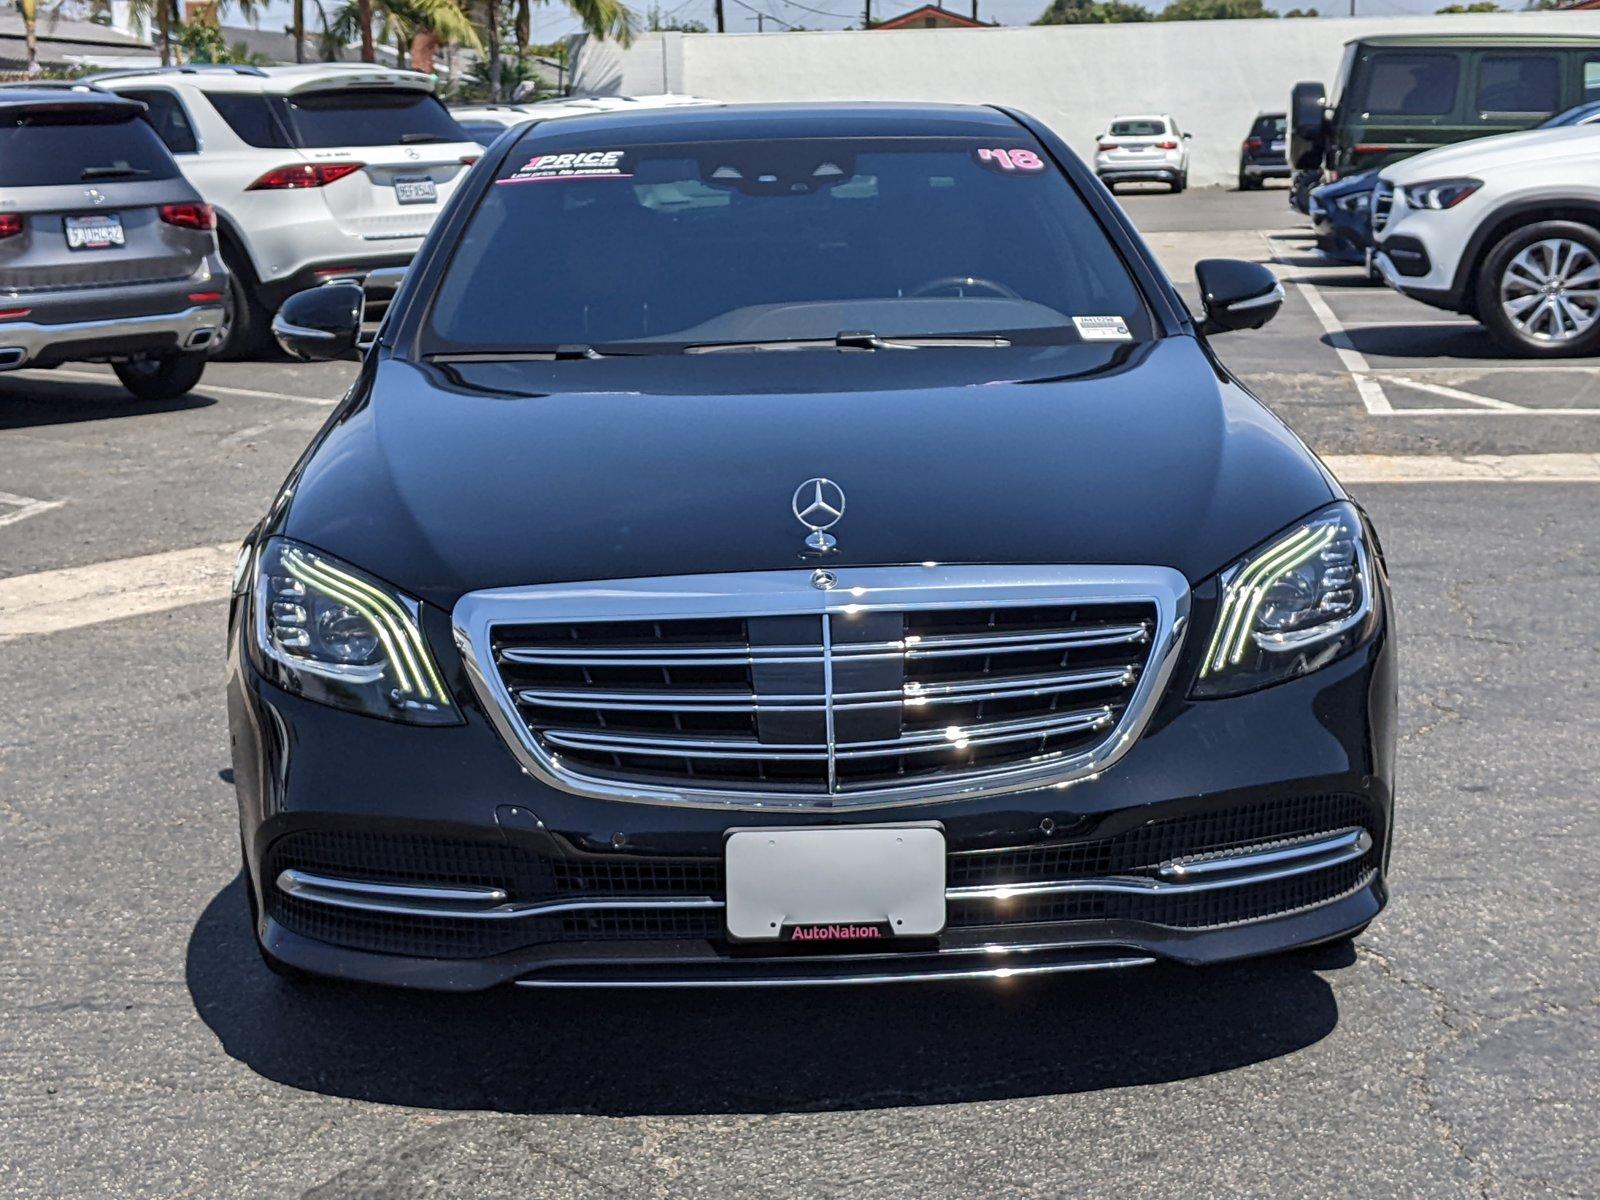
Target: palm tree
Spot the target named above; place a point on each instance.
(400, 22)
(167, 17)
(30, 30)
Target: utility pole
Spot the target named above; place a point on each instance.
(975, 8)
(722, 28)
(866, 21)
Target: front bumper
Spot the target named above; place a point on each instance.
(352, 825)
(40, 344)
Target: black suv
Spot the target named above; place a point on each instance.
(1262, 155)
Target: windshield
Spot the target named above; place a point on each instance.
(783, 240)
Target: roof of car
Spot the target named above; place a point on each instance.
(827, 119)
(1477, 39)
(271, 80)
(59, 98)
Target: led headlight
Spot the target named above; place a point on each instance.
(1356, 202)
(1439, 193)
(331, 633)
(1294, 605)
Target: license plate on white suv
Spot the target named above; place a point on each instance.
(99, 232)
(845, 886)
(415, 190)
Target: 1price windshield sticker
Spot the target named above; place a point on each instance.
(1102, 329)
(581, 164)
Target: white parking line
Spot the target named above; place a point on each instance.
(203, 388)
(1450, 393)
(53, 601)
(1373, 398)
(1470, 468)
(23, 507)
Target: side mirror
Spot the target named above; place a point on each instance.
(1308, 125)
(1187, 136)
(1236, 295)
(321, 323)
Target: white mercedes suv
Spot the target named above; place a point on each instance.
(1504, 229)
(1148, 148)
(316, 172)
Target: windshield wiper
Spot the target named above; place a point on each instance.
(111, 172)
(566, 352)
(859, 339)
(412, 139)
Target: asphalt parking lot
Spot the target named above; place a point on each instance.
(145, 1052)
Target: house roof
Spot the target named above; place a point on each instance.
(64, 43)
(932, 16)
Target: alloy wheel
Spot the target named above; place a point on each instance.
(1551, 290)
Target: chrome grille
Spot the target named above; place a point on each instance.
(1382, 205)
(896, 684)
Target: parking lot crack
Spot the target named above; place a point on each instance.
(1454, 1023)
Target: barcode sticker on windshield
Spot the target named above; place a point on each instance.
(582, 164)
(1102, 329)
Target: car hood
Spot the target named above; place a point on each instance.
(446, 480)
(1505, 150)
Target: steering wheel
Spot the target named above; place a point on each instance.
(962, 284)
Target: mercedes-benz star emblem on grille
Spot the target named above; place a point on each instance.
(818, 505)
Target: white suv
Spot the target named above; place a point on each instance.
(1504, 229)
(485, 122)
(1143, 148)
(316, 172)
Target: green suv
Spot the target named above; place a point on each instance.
(1399, 95)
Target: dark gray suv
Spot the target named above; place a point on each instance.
(107, 254)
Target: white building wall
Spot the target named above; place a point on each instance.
(1214, 76)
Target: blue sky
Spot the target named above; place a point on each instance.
(551, 21)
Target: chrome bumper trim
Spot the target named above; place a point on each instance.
(1242, 870)
(482, 904)
(932, 975)
(32, 338)
(491, 904)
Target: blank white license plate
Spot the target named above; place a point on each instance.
(415, 191)
(100, 232)
(844, 886)
(1276, 146)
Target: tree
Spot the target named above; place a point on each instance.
(401, 22)
(1480, 6)
(1214, 10)
(658, 22)
(1092, 12)
(30, 31)
(1301, 12)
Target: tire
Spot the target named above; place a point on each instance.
(161, 378)
(1181, 182)
(1248, 183)
(1547, 254)
(246, 324)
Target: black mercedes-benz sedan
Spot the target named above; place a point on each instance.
(801, 545)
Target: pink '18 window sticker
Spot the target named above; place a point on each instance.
(1011, 160)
